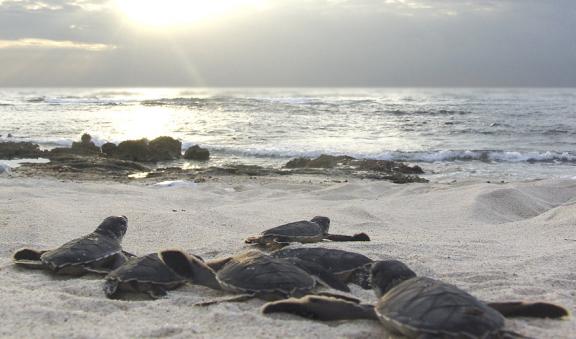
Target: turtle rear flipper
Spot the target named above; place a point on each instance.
(29, 258)
(322, 275)
(341, 237)
(321, 308)
(531, 310)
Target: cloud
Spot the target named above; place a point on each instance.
(55, 5)
(53, 44)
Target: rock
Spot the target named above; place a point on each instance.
(323, 161)
(10, 150)
(72, 166)
(86, 138)
(110, 149)
(197, 153)
(165, 148)
(134, 150)
(386, 166)
(85, 146)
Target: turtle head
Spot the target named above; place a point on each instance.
(190, 267)
(386, 274)
(114, 227)
(324, 222)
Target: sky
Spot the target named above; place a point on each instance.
(286, 43)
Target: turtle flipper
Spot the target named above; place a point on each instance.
(236, 298)
(321, 308)
(29, 258)
(338, 296)
(323, 276)
(156, 292)
(111, 288)
(190, 267)
(341, 237)
(531, 310)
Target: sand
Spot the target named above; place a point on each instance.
(498, 241)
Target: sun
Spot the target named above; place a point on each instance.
(166, 13)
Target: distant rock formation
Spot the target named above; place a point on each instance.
(11, 150)
(197, 153)
(109, 149)
(160, 149)
(85, 146)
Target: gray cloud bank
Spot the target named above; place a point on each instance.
(295, 43)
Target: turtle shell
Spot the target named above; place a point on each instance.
(424, 306)
(255, 272)
(303, 231)
(147, 269)
(332, 260)
(89, 249)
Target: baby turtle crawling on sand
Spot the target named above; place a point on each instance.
(147, 274)
(419, 307)
(302, 231)
(252, 274)
(349, 267)
(97, 252)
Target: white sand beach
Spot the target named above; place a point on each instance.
(498, 241)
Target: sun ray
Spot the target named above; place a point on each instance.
(167, 13)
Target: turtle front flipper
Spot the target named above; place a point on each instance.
(111, 288)
(341, 237)
(321, 308)
(29, 258)
(322, 275)
(530, 310)
(190, 267)
(156, 292)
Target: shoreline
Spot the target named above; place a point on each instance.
(497, 241)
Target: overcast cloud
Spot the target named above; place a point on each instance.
(295, 43)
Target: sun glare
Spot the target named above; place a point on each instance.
(165, 13)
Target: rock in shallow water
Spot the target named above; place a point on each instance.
(197, 153)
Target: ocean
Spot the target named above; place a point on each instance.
(509, 134)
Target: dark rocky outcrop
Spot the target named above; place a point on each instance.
(11, 150)
(72, 166)
(197, 153)
(394, 171)
(165, 148)
(159, 149)
(323, 161)
(109, 149)
(386, 166)
(85, 146)
(134, 150)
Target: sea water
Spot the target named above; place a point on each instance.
(453, 133)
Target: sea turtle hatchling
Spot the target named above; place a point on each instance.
(147, 274)
(97, 252)
(419, 307)
(252, 274)
(303, 231)
(349, 267)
